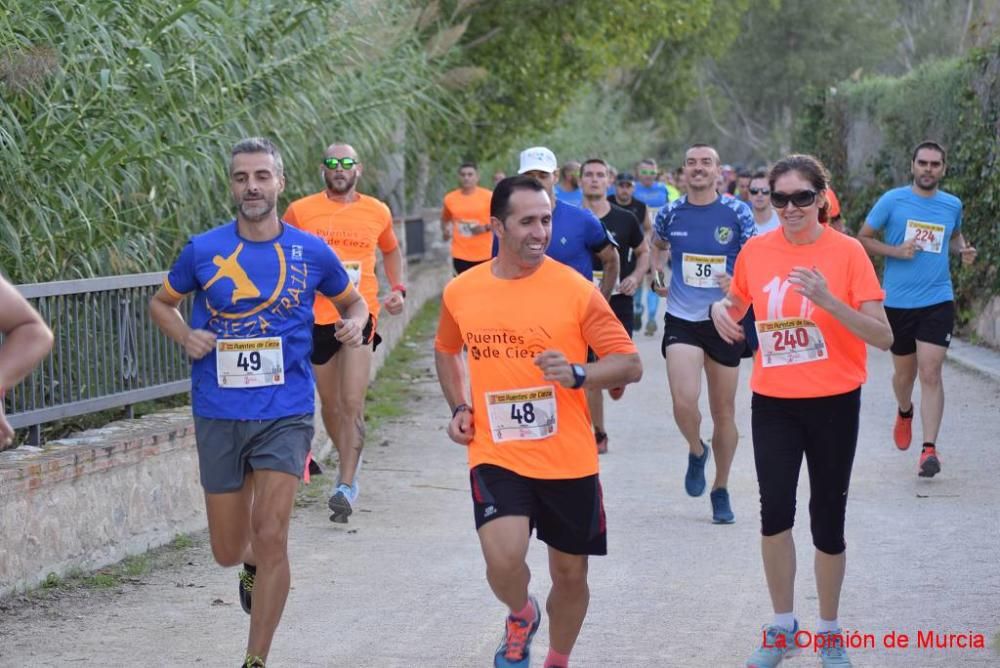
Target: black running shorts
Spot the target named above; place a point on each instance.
(701, 334)
(567, 515)
(464, 265)
(930, 324)
(326, 345)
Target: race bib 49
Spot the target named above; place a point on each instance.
(241, 363)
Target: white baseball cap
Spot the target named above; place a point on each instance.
(537, 158)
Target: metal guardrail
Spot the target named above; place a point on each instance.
(107, 351)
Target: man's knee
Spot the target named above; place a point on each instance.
(930, 375)
(269, 538)
(569, 572)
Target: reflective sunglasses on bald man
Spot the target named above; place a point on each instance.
(333, 163)
(799, 198)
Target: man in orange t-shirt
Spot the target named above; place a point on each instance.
(353, 225)
(465, 219)
(527, 321)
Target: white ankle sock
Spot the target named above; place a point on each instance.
(785, 620)
(826, 626)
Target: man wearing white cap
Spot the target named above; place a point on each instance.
(576, 233)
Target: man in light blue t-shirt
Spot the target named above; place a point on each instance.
(920, 225)
(568, 187)
(655, 196)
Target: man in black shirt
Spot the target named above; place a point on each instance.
(624, 197)
(633, 251)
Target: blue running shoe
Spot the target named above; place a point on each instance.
(340, 504)
(832, 653)
(694, 479)
(515, 646)
(778, 645)
(722, 512)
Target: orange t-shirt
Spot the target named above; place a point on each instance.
(794, 359)
(475, 207)
(505, 324)
(353, 230)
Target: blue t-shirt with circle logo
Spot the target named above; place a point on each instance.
(256, 289)
(717, 229)
(925, 279)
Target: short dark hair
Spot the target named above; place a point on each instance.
(743, 174)
(759, 174)
(810, 168)
(258, 145)
(500, 201)
(595, 161)
(718, 160)
(468, 164)
(927, 143)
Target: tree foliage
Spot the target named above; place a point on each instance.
(116, 117)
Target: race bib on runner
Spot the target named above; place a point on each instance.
(466, 229)
(353, 268)
(790, 341)
(241, 363)
(929, 236)
(702, 271)
(522, 415)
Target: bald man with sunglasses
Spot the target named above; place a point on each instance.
(354, 225)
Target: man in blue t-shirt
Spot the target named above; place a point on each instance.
(920, 225)
(655, 196)
(254, 282)
(576, 233)
(702, 232)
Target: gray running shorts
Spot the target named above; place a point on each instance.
(229, 449)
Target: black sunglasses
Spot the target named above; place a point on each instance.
(800, 199)
(346, 163)
(759, 191)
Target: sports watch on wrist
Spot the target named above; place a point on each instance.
(579, 375)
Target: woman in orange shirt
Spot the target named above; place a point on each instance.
(818, 302)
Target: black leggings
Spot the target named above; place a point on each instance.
(825, 430)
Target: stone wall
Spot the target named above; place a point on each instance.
(91, 500)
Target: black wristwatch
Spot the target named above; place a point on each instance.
(579, 375)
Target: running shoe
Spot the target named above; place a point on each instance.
(831, 652)
(650, 328)
(246, 577)
(340, 504)
(252, 662)
(722, 512)
(515, 645)
(694, 479)
(778, 645)
(902, 431)
(930, 465)
(616, 393)
(602, 442)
